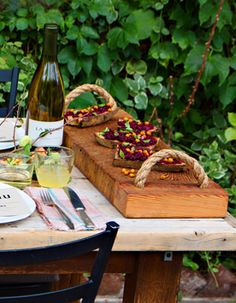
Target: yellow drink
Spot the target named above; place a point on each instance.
(53, 176)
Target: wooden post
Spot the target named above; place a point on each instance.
(154, 280)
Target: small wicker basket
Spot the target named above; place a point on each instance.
(90, 120)
(193, 164)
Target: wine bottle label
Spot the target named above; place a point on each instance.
(52, 138)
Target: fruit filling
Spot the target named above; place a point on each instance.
(140, 139)
(136, 125)
(88, 112)
(134, 153)
(170, 160)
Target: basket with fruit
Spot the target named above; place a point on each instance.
(111, 137)
(92, 115)
(132, 156)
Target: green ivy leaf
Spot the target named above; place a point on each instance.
(227, 94)
(165, 51)
(86, 64)
(117, 38)
(155, 89)
(218, 119)
(132, 85)
(183, 38)
(196, 116)
(89, 32)
(196, 145)
(187, 262)
(3, 63)
(119, 89)
(66, 53)
(80, 43)
(193, 60)
(103, 8)
(160, 24)
(232, 62)
(117, 67)
(232, 118)
(89, 48)
(136, 67)
(2, 25)
(226, 16)
(165, 31)
(75, 4)
(137, 19)
(73, 33)
(230, 134)
(103, 59)
(21, 24)
(154, 80)
(22, 12)
(221, 65)
(132, 112)
(130, 34)
(55, 16)
(202, 2)
(206, 11)
(141, 101)
(128, 102)
(158, 6)
(73, 66)
(83, 101)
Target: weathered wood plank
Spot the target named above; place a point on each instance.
(134, 234)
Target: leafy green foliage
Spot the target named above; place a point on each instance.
(230, 132)
(131, 48)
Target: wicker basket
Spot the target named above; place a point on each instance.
(90, 120)
(192, 163)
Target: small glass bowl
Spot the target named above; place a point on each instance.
(16, 169)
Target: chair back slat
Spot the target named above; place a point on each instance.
(101, 243)
(9, 75)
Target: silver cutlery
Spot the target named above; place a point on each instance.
(79, 207)
(47, 199)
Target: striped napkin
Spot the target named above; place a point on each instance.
(53, 218)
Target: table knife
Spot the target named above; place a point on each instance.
(79, 206)
(64, 216)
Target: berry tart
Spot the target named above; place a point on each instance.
(136, 126)
(128, 155)
(92, 115)
(110, 138)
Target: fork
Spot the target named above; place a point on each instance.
(47, 200)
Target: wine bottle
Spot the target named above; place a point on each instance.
(46, 95)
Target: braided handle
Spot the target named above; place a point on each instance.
(145, 169)
(90, 88)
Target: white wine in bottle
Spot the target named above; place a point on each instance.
(46, 95)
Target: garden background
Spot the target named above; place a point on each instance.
(148, 55)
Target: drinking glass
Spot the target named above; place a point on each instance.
(53, 167)
(16, 169)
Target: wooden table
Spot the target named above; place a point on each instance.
(149, 251)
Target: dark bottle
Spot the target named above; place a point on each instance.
(46, 95)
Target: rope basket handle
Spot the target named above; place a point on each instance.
(90, 88)
(145, 169)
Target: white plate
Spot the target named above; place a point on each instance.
(25, 199)
(7, 145)
(7, 130)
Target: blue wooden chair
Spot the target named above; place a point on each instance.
(9, 75)
(102, 242)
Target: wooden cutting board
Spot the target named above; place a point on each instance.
(175, 197)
